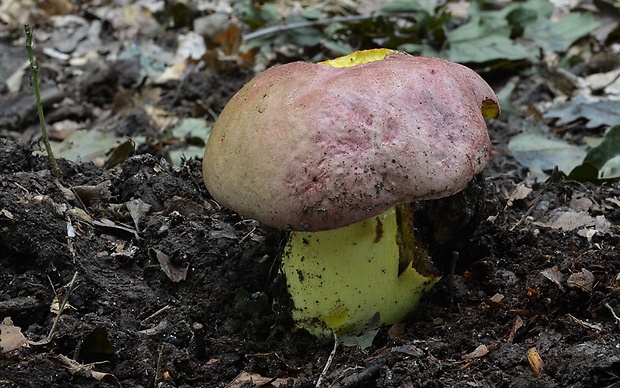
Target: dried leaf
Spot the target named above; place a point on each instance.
(137, 210)
(256, 380)
(11, 336)
(597, 113)
(520, 192)
(480, 351)
(174, 273)
(517, 324)
(75, 368)
(589, 325)
(494, 302)
(570, 220)
(536, 362)
(583, 280)
(554, 275)
(104, 222)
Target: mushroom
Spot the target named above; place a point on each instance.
(335, 152)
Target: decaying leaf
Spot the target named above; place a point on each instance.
(105, 223)
(583, 280)
(137, 210)
(11, 336)
(75, 368)
(494, 302)
(535, 150)
(536, 362)
(517, 324)
(596, 112)
(174, 273)
(520, 192)
(554, 275)
(480, 351)
(588, 325)
(256, 380)
(84, 146)
(569, 220)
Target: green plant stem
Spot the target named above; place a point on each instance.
(34, 68)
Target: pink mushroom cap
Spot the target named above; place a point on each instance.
(313, 147)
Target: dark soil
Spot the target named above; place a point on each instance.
(140, 317)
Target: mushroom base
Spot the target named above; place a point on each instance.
(353, 278)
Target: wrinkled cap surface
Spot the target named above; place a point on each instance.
(314, 147)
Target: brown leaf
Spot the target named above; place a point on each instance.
(536, 362)
(517, 324)
(257, 380)
(174, 273)
(584, 280)
(480, 351)
(554, 275)
(520, 192)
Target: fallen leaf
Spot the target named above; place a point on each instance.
(535, 150)
(554, 275)
(516, 325)
(256, 380)
(570, 220)
(174, 273)
(583, 280)
(105, 223)
(84, 145)
(520, 192)
(137, 210)
(588, 325)
(11, 336)
(606, 156)
(609, 82)
(598, 113)
(536, 362)
(480, 351)
(75, 368)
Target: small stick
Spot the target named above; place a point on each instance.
(613, 313)
(328, 363)
(158, 368)
(155, 314)
(34, 68)
(61, 307)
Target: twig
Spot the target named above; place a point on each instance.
(328, 363)
(613, 313)
(155, 314)
(158, 368)
(61, 307)
(34, 68)
(294, 26)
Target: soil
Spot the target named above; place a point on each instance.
(172, 290)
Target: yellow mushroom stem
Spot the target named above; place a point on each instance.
(361, 276)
